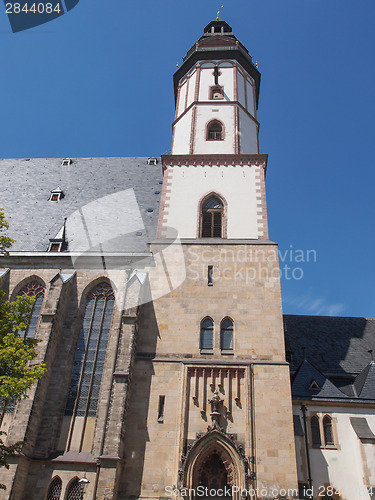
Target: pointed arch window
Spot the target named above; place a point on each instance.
(207, 334)
(215, 131)
(226, 335)
(74, 491)
(91, 350)
(212, 218)
(33, 289)
(54, 490)
(315, 431)
(328, 431)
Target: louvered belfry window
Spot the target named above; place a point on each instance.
(212, 216)
(226, 334)
(36, 290)
(91, 350)
(54, 490)
(74, 491)
(215, 131)
(207, 334)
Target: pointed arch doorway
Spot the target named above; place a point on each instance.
(215, 464)
(214, 473)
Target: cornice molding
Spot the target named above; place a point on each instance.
(238, 160)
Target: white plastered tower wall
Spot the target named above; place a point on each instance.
(229, 165)
(196, 109)
(239, 182)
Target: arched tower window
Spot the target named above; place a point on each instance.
(91, 350)
(226, 334)
(215, 131)
(328, 432)
(207, 334)
(54, 490)
(34, 289)
(74, 491)
(212, 218)
(315, 431)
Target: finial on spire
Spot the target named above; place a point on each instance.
(218, 14)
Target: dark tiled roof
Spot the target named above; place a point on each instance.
(336, 345)
(106, 202)
(365, 382)
(302, 383)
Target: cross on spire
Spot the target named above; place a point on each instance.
(218, 14)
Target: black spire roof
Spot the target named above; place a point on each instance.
(218, 42)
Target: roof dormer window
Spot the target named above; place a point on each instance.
(66, 162)
(55, 246)
(152, 161)
(56, 194)
(58, 243)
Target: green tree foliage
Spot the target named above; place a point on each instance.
(17, 371)
(5, 241)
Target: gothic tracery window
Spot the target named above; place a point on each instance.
(74, 492)
(212, 217)
(54, 490)
(91, 350)
(34, 289)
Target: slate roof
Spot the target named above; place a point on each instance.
(365, 382)
(333, 351)
(107, 202)
(305, 375)
(336, 345)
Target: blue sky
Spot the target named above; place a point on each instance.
(98, 82)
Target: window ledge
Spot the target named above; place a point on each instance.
(325, 447)
(227, 351)
(207, 351)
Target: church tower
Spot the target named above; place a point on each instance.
(211, 402)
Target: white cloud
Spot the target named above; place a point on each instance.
(316, 306)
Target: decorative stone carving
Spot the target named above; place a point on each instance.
(246, 461)
(215, 414)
